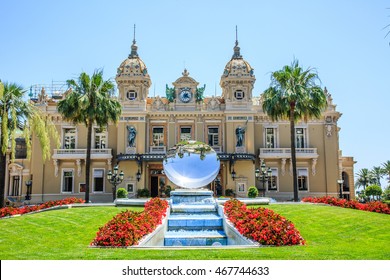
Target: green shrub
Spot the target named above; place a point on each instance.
(386, 193)
(374, 192)
(143, 193)
(167, 190)
(121, 193)
(253, 192)
(229, 192)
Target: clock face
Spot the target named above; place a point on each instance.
(185, 96)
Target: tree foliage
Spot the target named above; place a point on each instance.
(90, 101)
(364, 178)
(386, 170)
(20, 117)
(294, 95)
(374, 192)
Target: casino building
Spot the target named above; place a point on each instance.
(234, 124)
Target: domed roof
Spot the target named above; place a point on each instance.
(133, 65)
(237, 66)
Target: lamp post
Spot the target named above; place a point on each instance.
(340, 182)
(28, 191)
(115, 179)
(138, 175)
(263, 175)
(233, 174)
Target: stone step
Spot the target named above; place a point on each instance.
(195, 221)
(193, 208)
(195, 238)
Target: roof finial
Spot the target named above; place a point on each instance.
(134, 35)
(134, 47)
(236, 36)
(236, 48)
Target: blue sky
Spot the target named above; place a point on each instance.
(45, 41)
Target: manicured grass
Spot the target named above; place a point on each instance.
(330, 232)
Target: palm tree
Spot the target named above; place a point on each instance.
(90, 101)
(386, 169)
(294, 95)
(364, 178)
(377, 173)
(18, 115)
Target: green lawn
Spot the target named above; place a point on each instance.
(331, 233)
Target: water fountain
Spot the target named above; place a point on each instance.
(194, 218)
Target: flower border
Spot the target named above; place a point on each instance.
(262, 225)
(373, 206)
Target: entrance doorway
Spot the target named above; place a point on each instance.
(157, 182)
(154, 186)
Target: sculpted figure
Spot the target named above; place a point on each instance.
(170, 93)
(199, 93)
(131, 137)
(240, 134)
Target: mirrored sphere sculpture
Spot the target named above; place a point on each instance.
(191, 164)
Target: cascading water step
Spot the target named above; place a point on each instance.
(195, 238)
(192, 208)
(195, 229)
(195, 221)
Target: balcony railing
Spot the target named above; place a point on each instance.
(217, 149)
(157, 149)
(82, 153)
(286, 152)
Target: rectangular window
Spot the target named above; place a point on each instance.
(98, 180)
(302, 179)
(213, 136)
(69, 140)
(239, 94)
(130, 188)
(241, 187)
(158, 136)
(131, 94)
(270, 137)
(185, 133)
(273, 181)
(67, 181)
(15, 186)
(300, 138)
(100, 138)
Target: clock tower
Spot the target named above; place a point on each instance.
(185, 93)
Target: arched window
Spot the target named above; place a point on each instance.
(346, 182)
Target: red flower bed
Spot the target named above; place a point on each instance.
(374, 206)
(10, 211)
(262, 225)
(128, 227)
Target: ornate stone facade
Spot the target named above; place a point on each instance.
(149, 126)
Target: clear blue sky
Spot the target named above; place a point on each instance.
(42, 41)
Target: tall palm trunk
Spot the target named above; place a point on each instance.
(88, 161)
(2, 176)
(293, 152)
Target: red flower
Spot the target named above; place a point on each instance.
(128, 227)
(375, 206)
(10, 211)
(262, 225)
